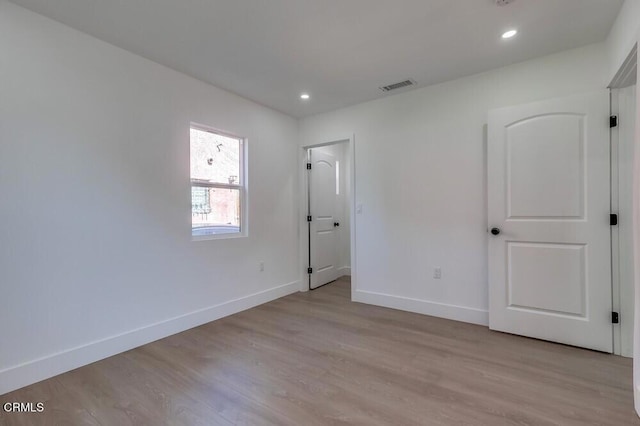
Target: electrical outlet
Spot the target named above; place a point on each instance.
(261, 266)
(437, 273)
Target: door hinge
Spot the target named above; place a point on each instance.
(309, 270)
(613, 219)
(613, 121)
(309, 218)
(308, 166)
(615, 318)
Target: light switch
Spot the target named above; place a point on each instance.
(437, 273)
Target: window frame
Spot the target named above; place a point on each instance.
(241, 187)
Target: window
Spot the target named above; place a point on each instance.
(217, 184)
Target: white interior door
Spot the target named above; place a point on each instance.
(549, 206)
(323, 236)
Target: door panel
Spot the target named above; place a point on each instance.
(537, 271)
(549, 194)
(323, 243)
(545, 167)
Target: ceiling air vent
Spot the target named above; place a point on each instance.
(396, 86)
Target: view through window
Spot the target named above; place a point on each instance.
(217, 183)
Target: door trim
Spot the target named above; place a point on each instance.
(622, 283)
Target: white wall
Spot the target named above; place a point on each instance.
(624, 34)
(96, 254)
(341, 152)
(420, 178)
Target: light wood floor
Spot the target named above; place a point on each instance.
(318, 359)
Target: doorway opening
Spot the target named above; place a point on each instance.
(328, 210)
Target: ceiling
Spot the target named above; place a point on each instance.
(339, 51)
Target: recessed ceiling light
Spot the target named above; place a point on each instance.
(305, 96)
(509, 33)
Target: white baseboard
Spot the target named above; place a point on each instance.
(345, 270)
(43, 368)
(435, 309)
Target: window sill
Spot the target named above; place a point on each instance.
(218, 237)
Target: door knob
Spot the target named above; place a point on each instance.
(495, 231)
(336, 223)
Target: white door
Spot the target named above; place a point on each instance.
(323, 236)
(549, 206)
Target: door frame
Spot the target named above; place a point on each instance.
(625, 77)
(303, 230)
(629, 71)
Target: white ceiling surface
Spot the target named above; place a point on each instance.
(340, 51)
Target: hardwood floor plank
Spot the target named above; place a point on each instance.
(119, 391)
(61, 408)
(209, 382)
(317, 358)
